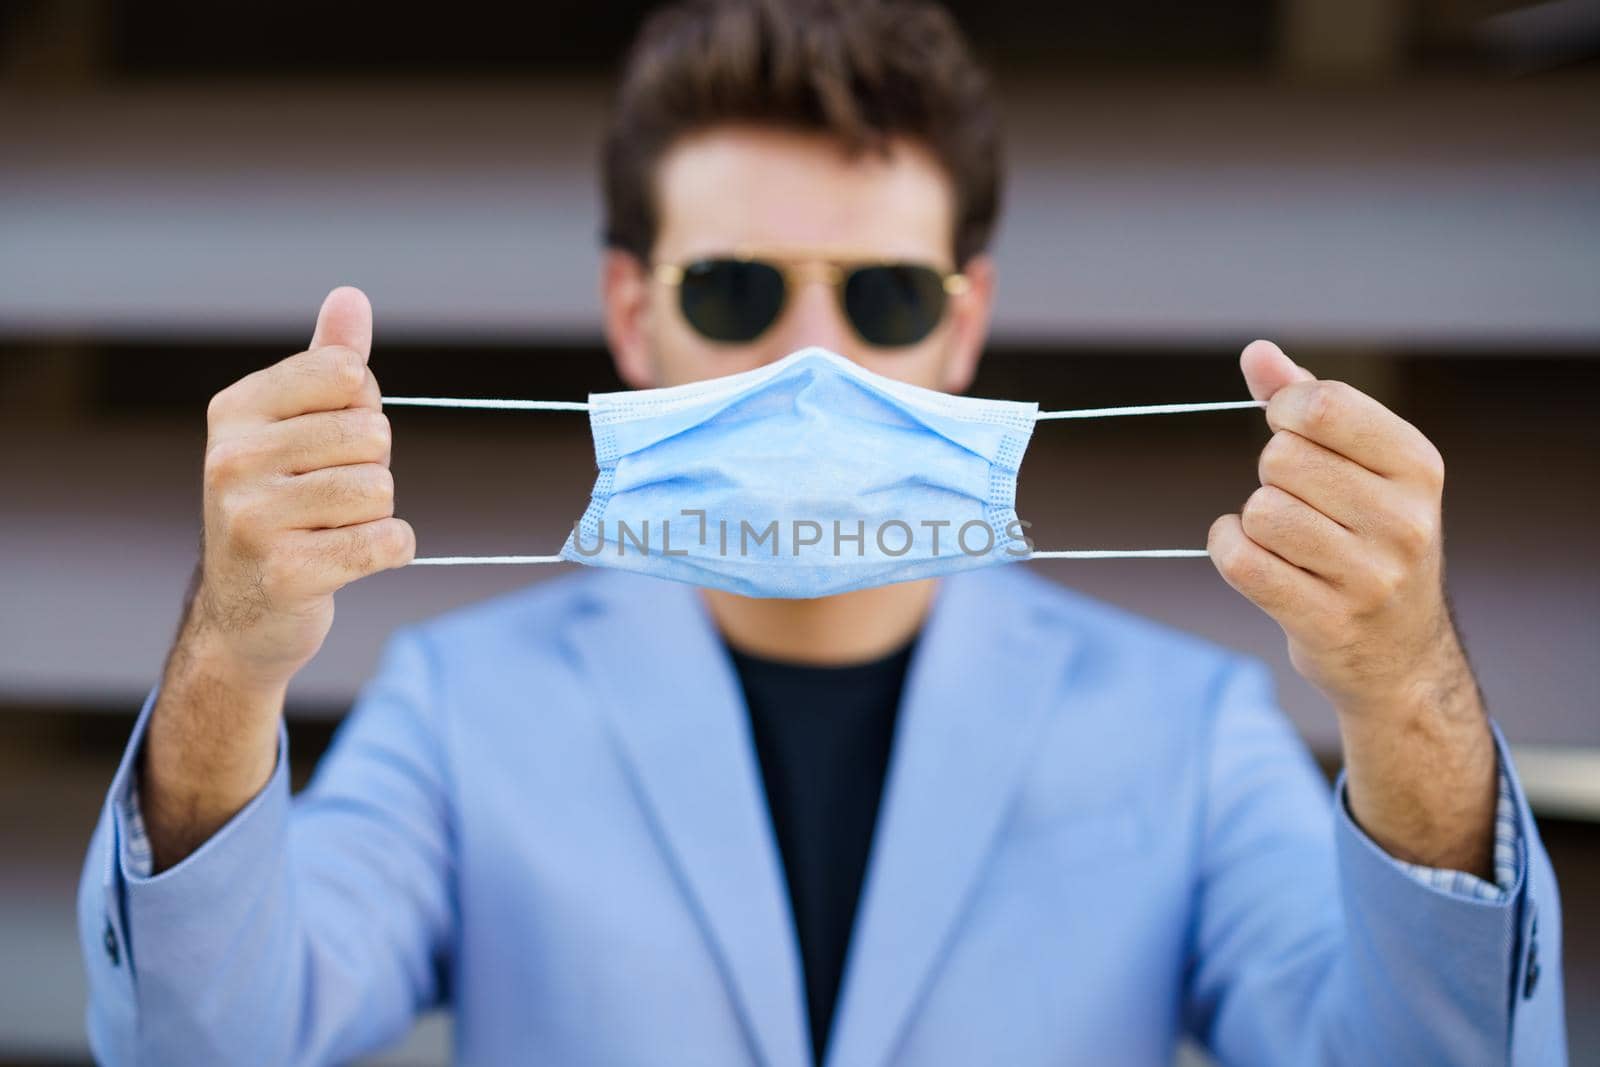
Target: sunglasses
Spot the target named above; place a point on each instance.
(735, 299)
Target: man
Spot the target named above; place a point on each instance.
(980, 819)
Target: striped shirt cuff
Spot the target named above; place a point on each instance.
(136, 853)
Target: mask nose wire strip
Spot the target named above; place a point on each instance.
(1043, 416)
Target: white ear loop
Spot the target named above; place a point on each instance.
(496, 405)
(1043, 416)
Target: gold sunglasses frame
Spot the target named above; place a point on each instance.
(801, 269)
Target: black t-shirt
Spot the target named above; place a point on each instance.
(823, 735)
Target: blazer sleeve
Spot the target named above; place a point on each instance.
(1312, 945)
(304, 931)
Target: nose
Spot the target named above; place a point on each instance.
(813, 317)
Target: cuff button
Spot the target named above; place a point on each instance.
(109, 939)
(1532, 977)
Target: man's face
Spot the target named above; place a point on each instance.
(792, 195)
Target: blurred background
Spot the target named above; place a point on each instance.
(1404, 193)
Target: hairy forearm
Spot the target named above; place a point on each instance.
(210, 746)
(1421, 769)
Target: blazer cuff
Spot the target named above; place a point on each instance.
(213, 870)
(1468, 961)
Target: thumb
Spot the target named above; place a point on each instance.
(1267, 369)
(345, 319)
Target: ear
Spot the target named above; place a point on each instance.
(625, 296)
(969, 323)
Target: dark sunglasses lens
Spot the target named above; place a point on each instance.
(894, 305)
(731, 300)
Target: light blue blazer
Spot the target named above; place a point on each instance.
(545, 810)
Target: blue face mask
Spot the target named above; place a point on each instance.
(803, 478)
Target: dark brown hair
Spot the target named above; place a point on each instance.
(861, 70)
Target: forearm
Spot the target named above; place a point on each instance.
(211, 746)
(1421, 769)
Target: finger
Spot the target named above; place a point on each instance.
(322, 379)
(352, 552)
(1266, 369)
(1346, 492)
(1345, 420)
(1298, 533)
(334, 496)
(345, 321)
(325, 439)
(369, 395)
(1275, 585)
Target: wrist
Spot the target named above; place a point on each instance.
(211, 745)
(201, 658)
(1431, 707)
(1426, 798)
(1421, 773)
(217, 653)
(1436, 683)
(215, 718)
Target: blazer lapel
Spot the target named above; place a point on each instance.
(677, 712)
(980, 686)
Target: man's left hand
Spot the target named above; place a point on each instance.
(1342, 547)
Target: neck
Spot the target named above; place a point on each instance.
(844, 628)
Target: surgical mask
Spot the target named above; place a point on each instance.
(805, 477)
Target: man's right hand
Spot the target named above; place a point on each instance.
(298, 502)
